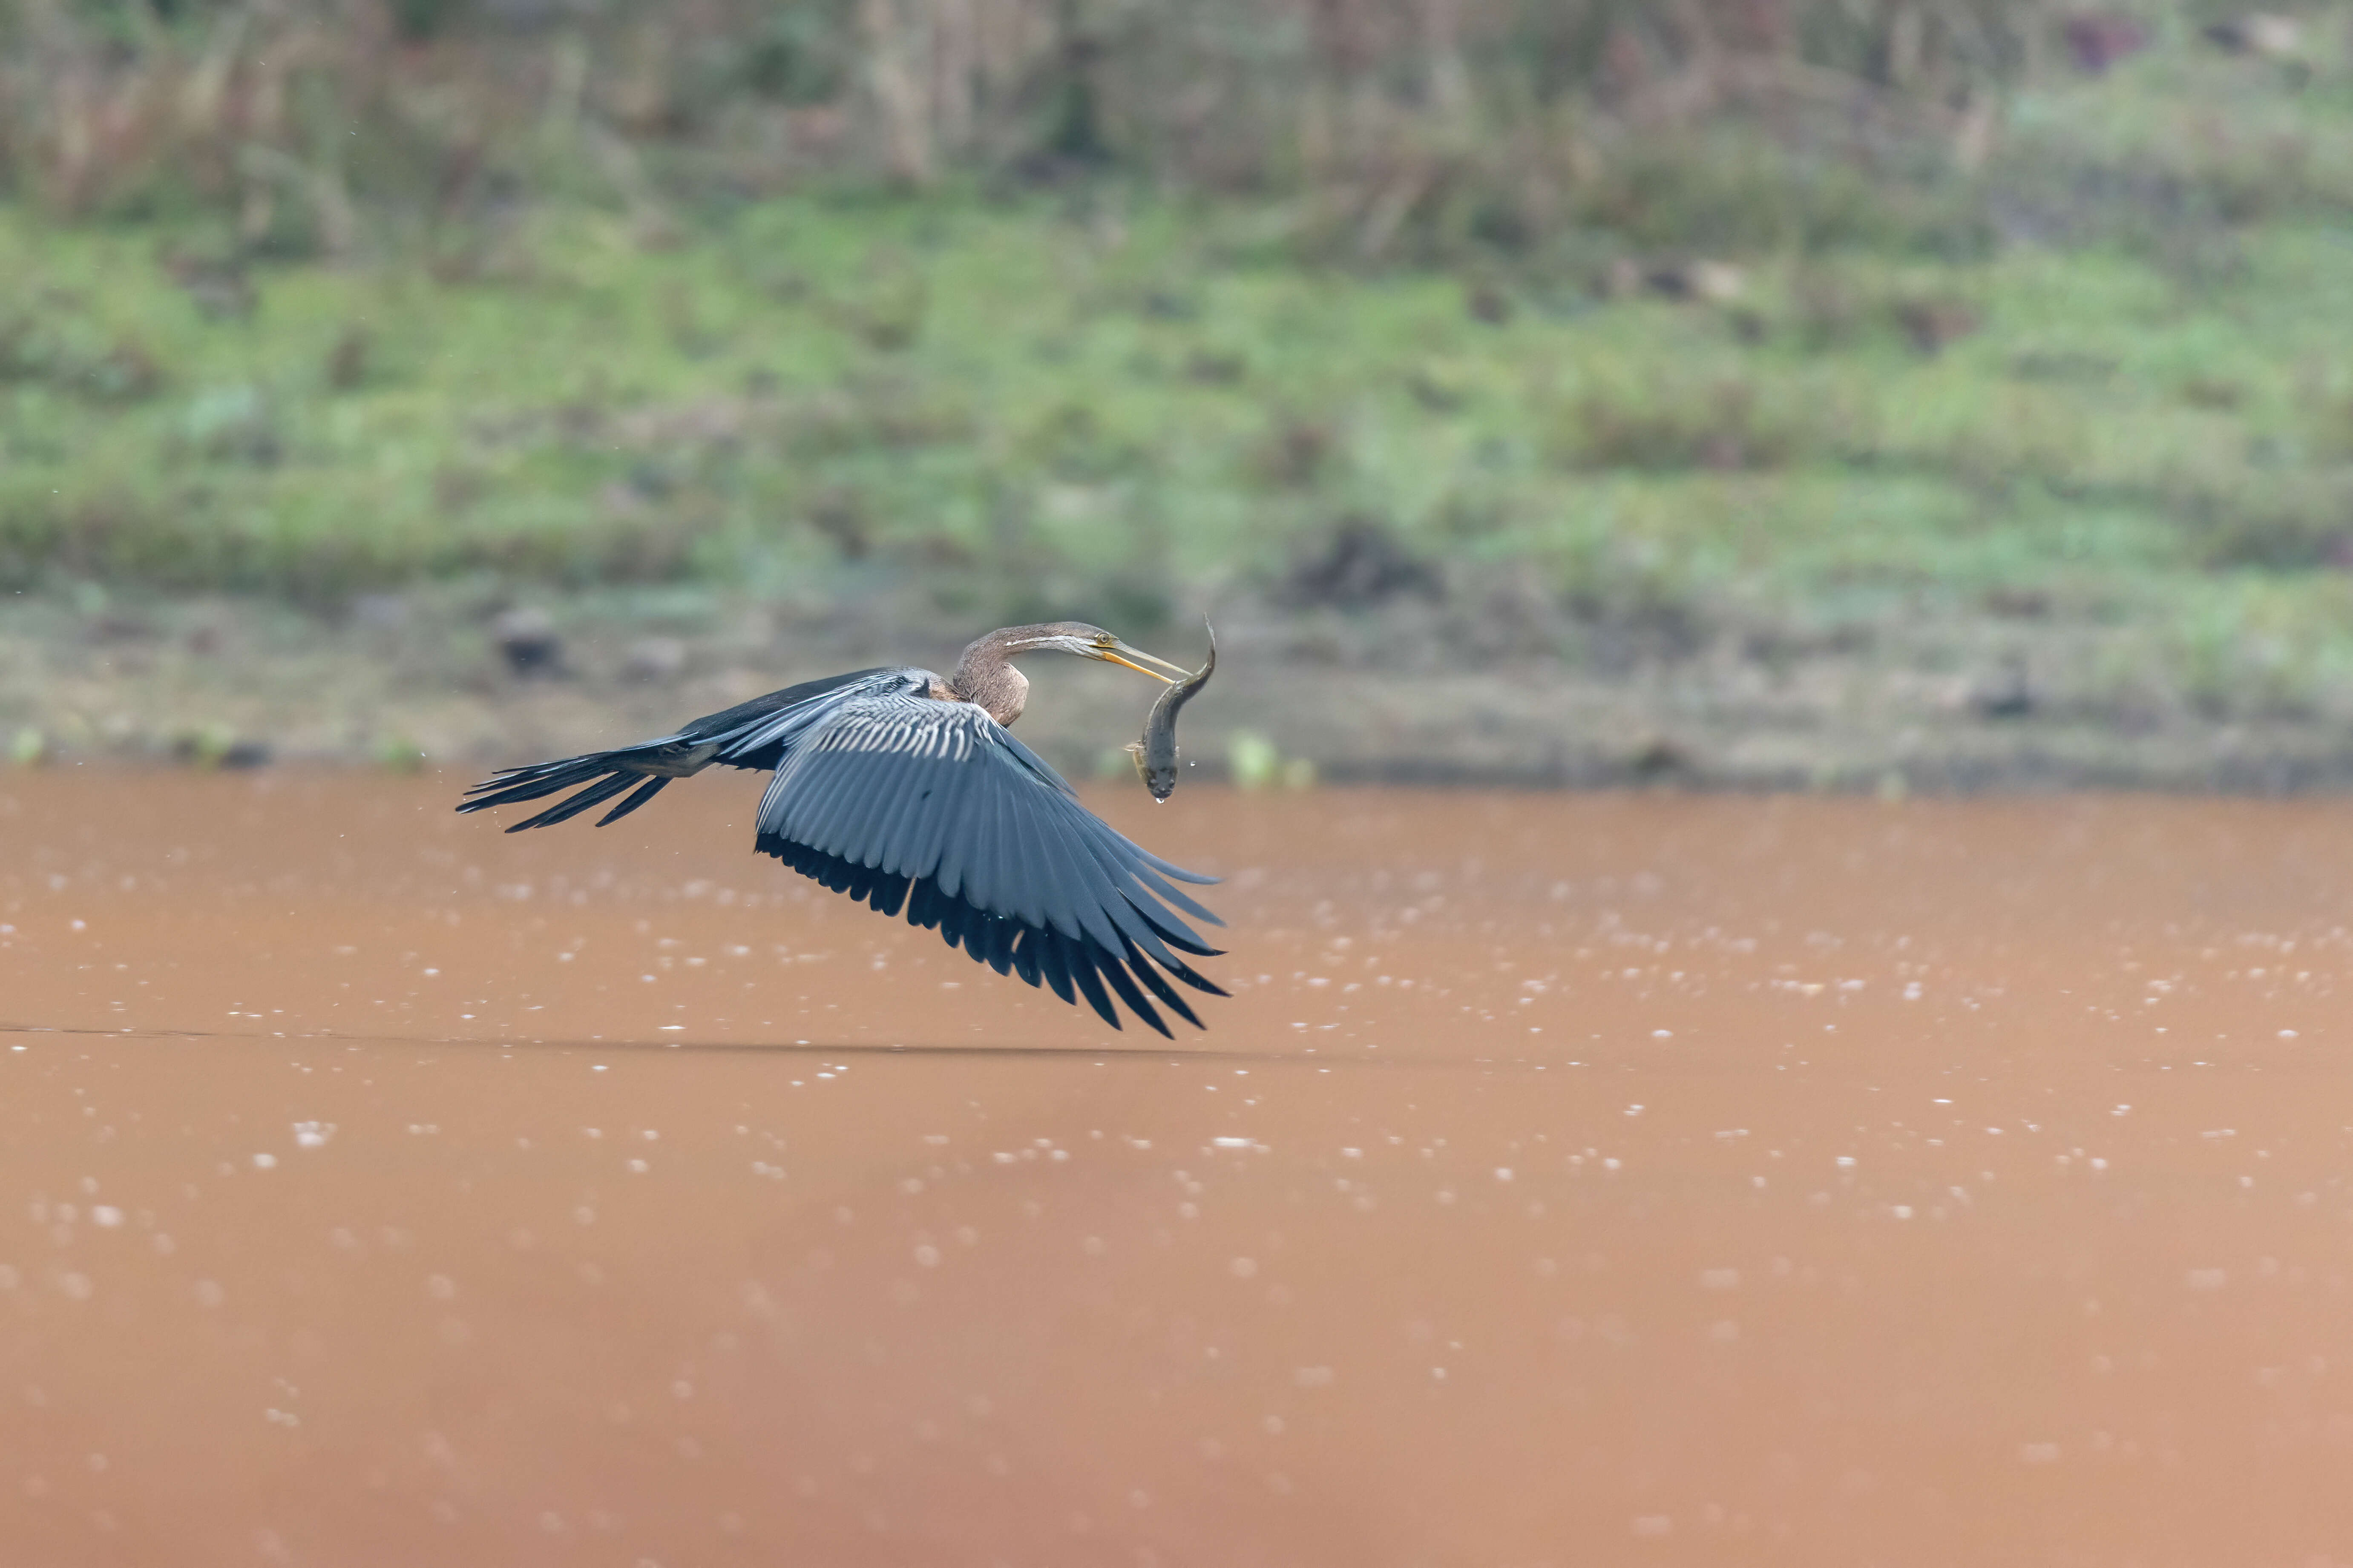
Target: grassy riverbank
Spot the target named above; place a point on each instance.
(2076, 431)
(1017, 406)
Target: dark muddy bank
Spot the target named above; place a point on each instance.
(1483, 682)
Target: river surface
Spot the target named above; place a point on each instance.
(1570, 1181)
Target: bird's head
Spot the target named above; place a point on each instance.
(1087, 642)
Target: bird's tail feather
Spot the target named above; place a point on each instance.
(606, 774)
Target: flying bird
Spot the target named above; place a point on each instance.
(905, 790)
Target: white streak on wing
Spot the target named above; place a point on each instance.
(790, 722)
(942, 733)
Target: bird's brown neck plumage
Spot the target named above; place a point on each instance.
(985, 677)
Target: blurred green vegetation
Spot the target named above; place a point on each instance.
(1000, 398)
(2062, 342)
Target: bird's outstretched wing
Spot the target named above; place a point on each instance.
(748, 735)
(901, 800)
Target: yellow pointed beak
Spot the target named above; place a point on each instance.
(1119, 653)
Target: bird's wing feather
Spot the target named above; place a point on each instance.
(888, 784)
(749, 735)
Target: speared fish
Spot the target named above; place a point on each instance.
(1155, 754)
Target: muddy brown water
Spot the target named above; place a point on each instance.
(1570, 1181)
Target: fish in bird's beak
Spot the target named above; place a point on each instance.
(1118, 652)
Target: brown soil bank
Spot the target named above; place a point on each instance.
(1465, 691)
(1570, 1181)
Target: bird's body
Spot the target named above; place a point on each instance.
(904, 789)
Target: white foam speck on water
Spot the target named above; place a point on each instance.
(312, 1134)
(265, 1162)
(1243, 1267)
(1231, 1142)
(106, 1216)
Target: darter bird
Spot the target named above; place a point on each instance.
(906, 790)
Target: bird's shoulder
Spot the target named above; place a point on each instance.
(755, 735)
(918, 713)
(880, 676)
(907, 719)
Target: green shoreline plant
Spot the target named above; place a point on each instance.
(1802, 327)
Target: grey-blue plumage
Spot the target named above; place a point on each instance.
(891, 788)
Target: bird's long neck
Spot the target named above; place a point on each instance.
(985, 677)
